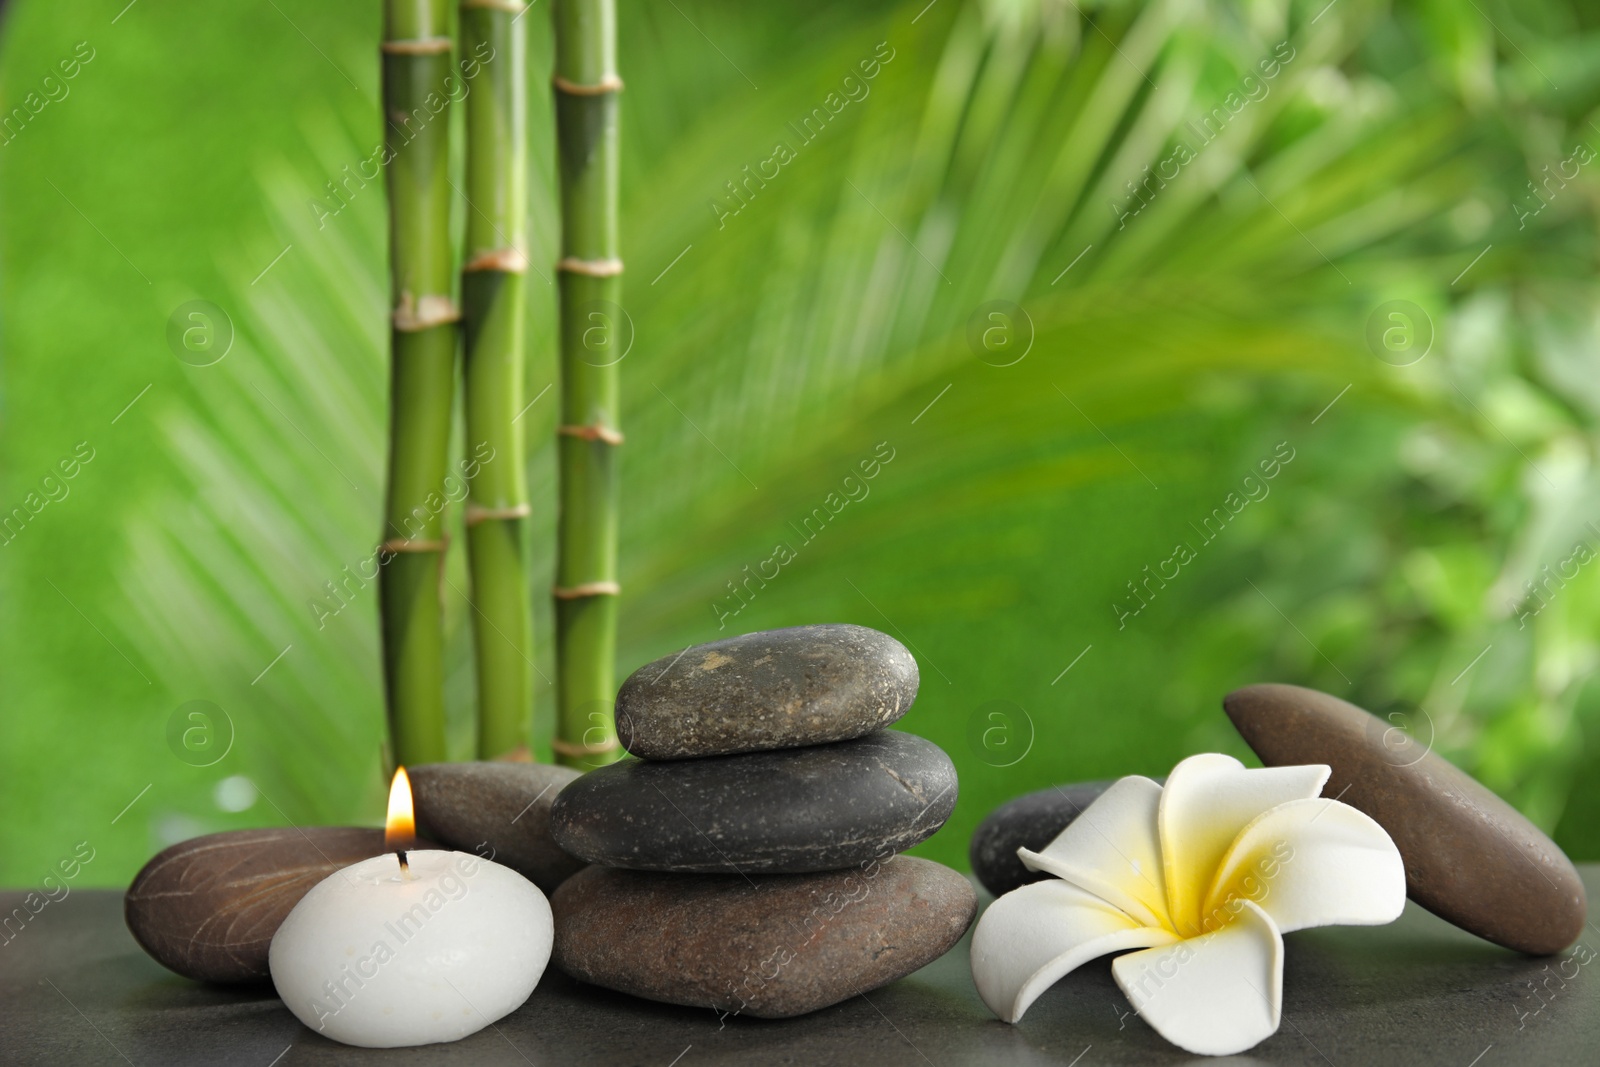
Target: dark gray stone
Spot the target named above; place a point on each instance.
(207, 907)
(806, 685)
(1470, 857)
(771, 945)
(1032, 822)
(500, 811)
(808, 809)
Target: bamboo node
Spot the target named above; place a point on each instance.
(578, 592)
(593, 268)
(506, 260)
(421, 46)
(415, 313)
(516, 7)
(476, 513)
(406, 544)
(608, 84)
(592, 433)
(570, 750)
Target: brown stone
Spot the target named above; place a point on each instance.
(1470, 858)
(771, 946)
(500, 811)
(208, 907)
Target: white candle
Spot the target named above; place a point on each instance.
(380, 957)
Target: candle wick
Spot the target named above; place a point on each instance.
(405, 868)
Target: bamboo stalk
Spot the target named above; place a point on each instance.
(493, 302)
(586, 87)
(416, 62)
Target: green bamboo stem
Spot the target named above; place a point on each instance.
(416, 62)
(493, 302)
(586, 87)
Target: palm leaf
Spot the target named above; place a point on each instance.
(774, 350)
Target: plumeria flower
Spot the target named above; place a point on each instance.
(1204, 875)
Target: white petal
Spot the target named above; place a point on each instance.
(1313, 863)
(1212, 995)
(1031, 936)
(1207, 800)
(1114, 851)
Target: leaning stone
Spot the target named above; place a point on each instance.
(1470, 858)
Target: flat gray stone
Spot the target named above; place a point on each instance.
(771, 946)
(808, 809)
(497, 810)
(806, 685)
(1470, 857)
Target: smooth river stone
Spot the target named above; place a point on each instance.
(770, 946)
(806, 685)
(1470, 857)
(806, 809)
(500, 811)
(207, 908)
(1031, 821)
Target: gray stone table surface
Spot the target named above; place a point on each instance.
(75, 989)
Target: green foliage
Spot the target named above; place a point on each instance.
(777, 346)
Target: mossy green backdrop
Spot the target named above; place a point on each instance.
(1155, 343)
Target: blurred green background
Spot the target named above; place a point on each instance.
(1152, 343)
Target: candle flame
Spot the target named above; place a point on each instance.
(400, 829)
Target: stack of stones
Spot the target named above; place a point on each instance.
(746, 861)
